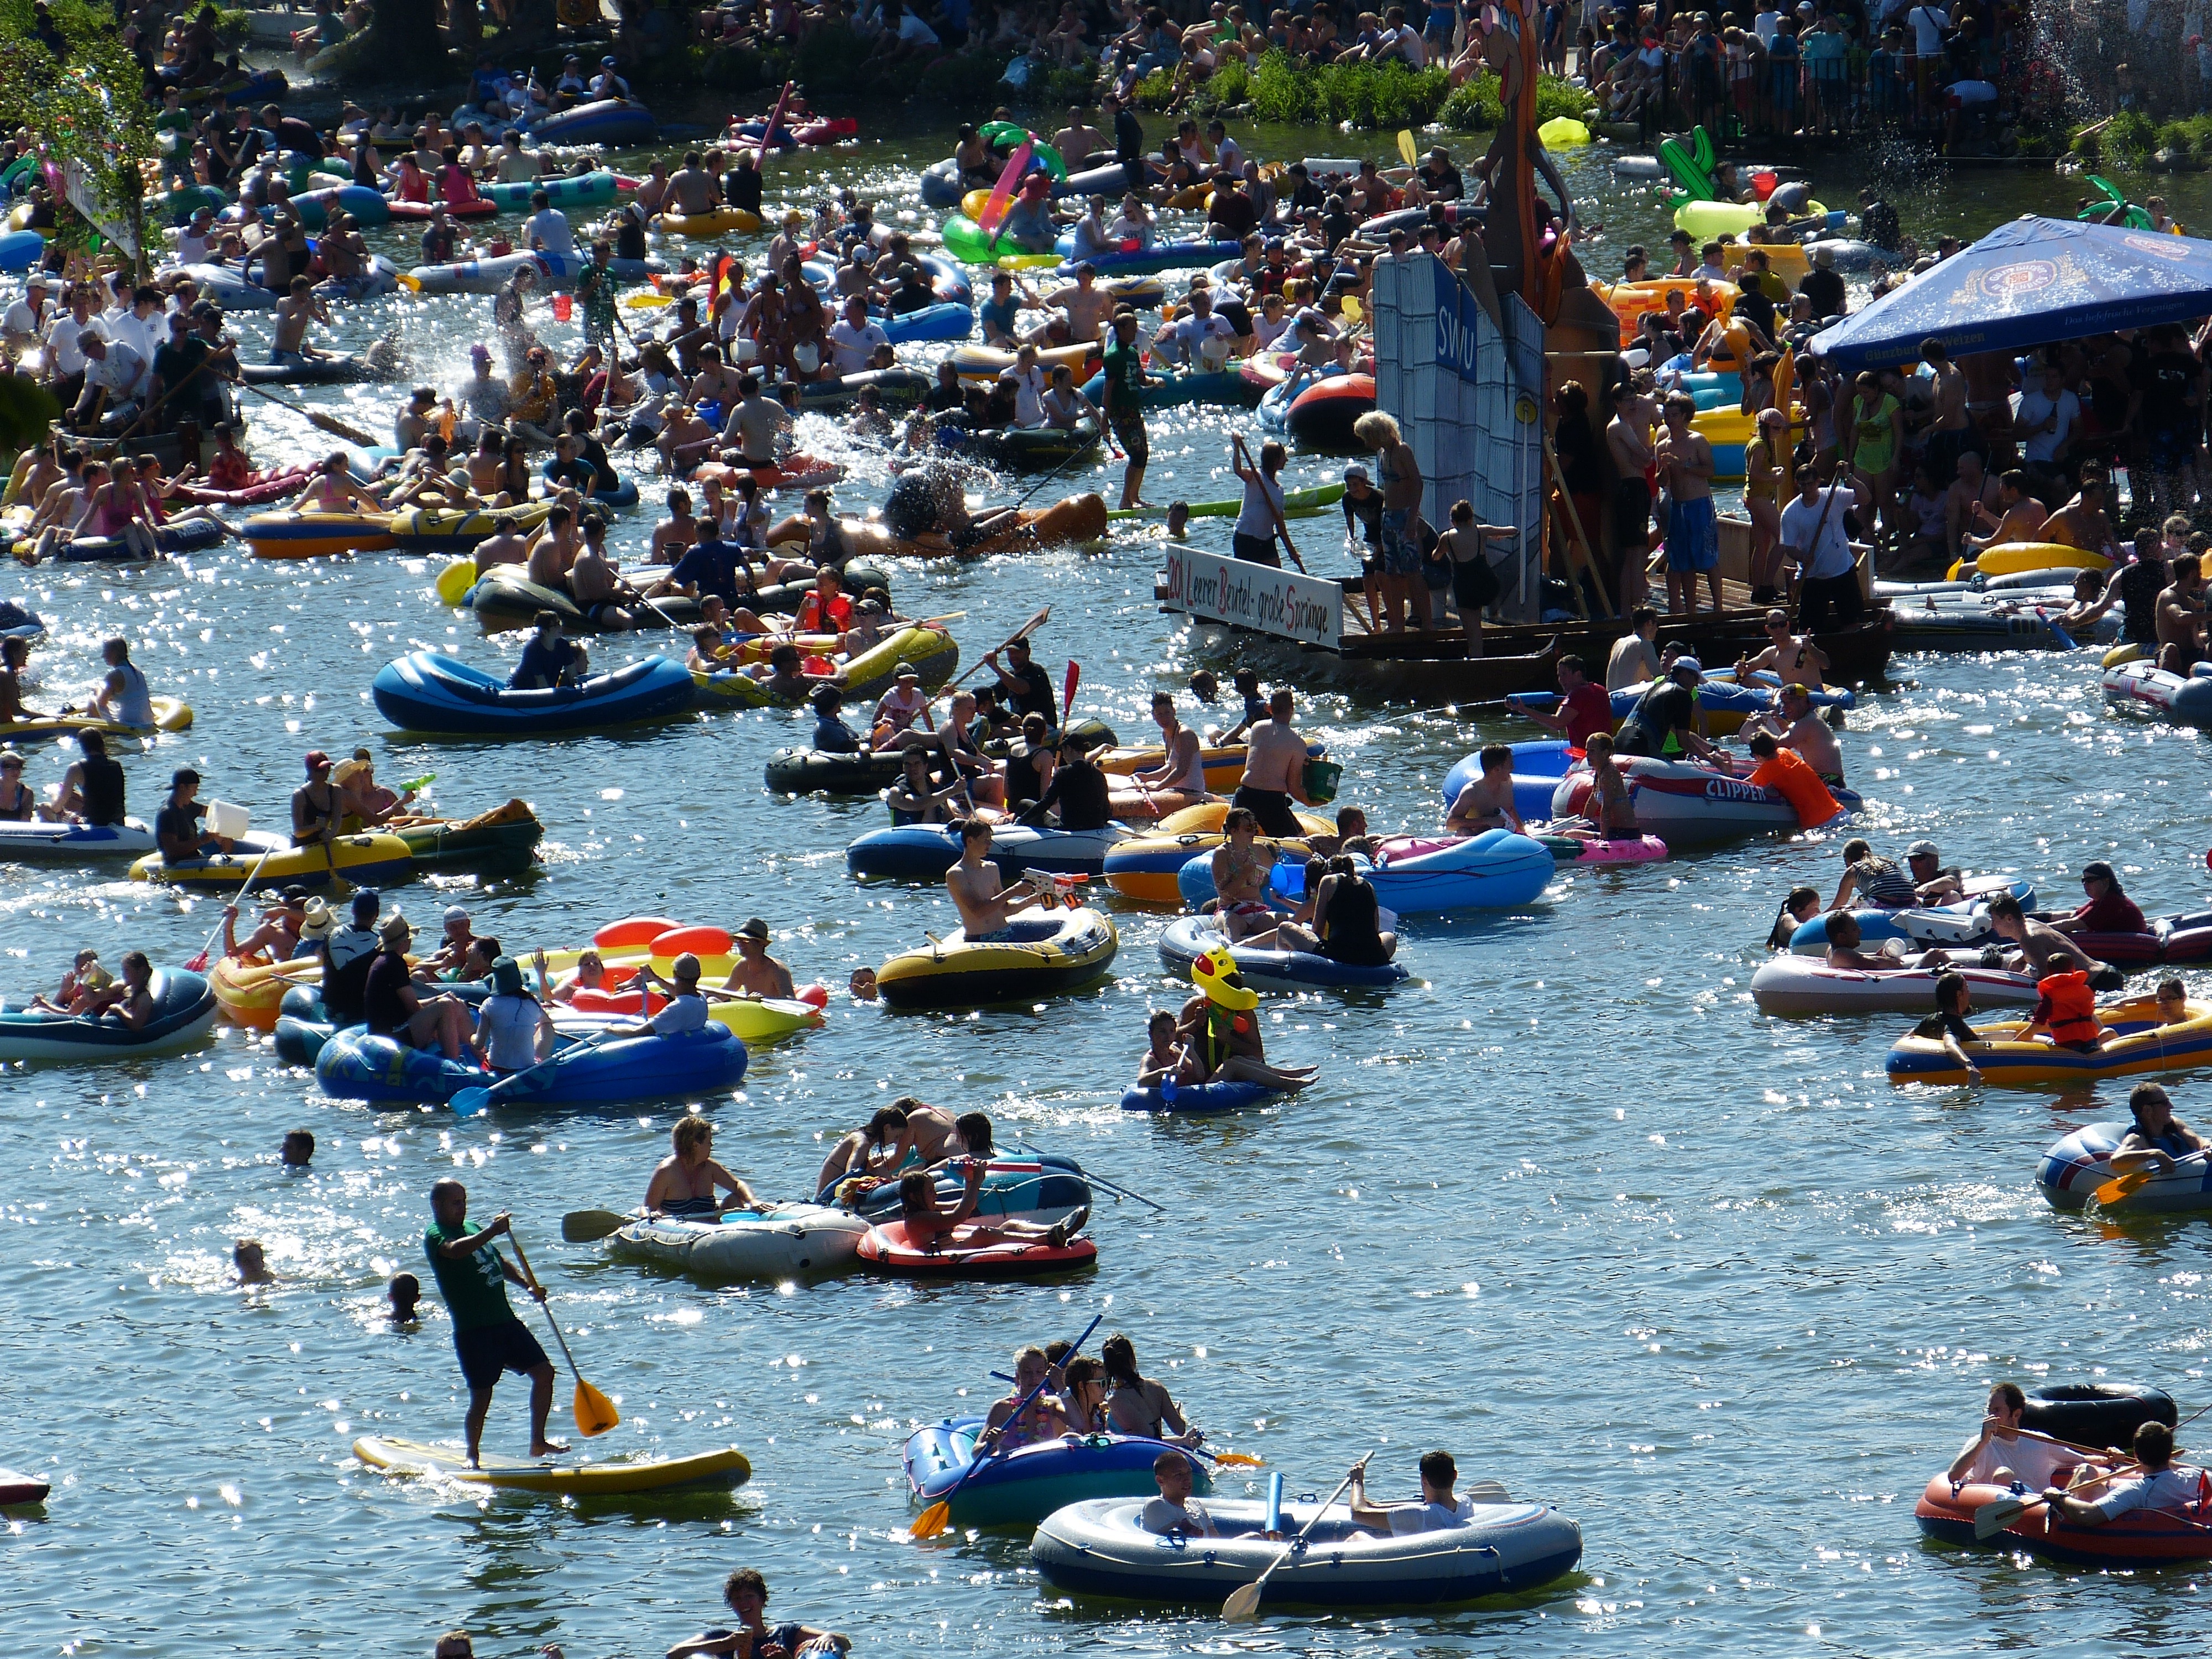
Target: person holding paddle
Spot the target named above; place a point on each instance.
(473, 1277)
(2159, 1485)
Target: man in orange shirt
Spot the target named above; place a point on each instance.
(1786, 773)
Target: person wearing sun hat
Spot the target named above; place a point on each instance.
(1220, 1027)
(755, 973)
(363, 801)
(315, 804)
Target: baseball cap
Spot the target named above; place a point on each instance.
(1924, 849)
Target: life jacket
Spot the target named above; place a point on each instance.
(2073, 1007)
(1787, 775)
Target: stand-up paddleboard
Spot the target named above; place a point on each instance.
(725, 1467)
(17, 1487)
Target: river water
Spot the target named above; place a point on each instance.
(1568, 1205)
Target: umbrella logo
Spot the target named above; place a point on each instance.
(2159, 247)
(2016, 281)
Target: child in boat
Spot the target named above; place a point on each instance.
(85, 989)
(1608, 814)
(1166, 1056)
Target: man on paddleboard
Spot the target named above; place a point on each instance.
(472, 1278)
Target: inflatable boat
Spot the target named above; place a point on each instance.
(1681, 803)
(1197, 1098)
(427, 692)
(2079, 1163)
(970, 1252)
(1100, 1548)
(1189, 938)
(924, 852)
(2138, 687)
(773, 1242)
(1052, 953)
(23, 843)
(1807, 985)
(1021, 1487)
(2003, 1055)
(184, 1012)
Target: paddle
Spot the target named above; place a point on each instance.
(469, 1102)
(594, 1413)
(1243, 1603)
(2120, 1186)
(1992, 1518)
(1015, 638)
(1274, 512)
(1097, 1180)
(1067, 690)
(199, 963)
(590, 1226)
(1406, 150)
(329, 424)
(775, 120)
(935, 1519)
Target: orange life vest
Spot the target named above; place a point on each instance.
(2073, 1007)
(1787, 773)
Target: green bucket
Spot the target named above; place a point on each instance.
(1321, 778)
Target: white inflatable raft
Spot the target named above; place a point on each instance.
(1098, 1548)
(1680, 802)
(1807, 985)
(780, 1241)
(20, 842)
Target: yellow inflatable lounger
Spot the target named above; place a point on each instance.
(2012, 558)
(933, 653)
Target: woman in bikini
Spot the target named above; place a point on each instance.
(1135, 1404)
(683, 1186)
(1241, 869)
(17, 800)
(1608, 814)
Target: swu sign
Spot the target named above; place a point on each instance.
(1259, 597)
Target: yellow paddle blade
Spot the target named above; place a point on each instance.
(1405, 146)
(1350, 305)
(2120, 1186)
(589, 1226)
(1239, 1461)
(646, 301)
(932, 1521)
(595, 1413)
(413, 285)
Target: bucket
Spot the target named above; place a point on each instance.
(1763, 183)
(1321, 780)
(564, 308)
(226, 820)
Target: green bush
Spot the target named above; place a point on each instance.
(2129, 141)
(1366, 95)
(1156, 91)
(232, 27)
(1055, 88)
(1473, 108)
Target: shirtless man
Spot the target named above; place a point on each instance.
(1685, 465)
(755, 973)
(1628, 443)
(755, 423)
(1794, 661)
(985, 905)
(876, 1150)
(1180, 780)
(2019, 517)
(1241, 869)
(2044, 950)
(1796, 724)
(2081, 522)
(596, 585)
(1949, 432)
(502, 546)
(553, 550)
(1078, 138)
(1973, 493)
(293, 312)
(2181, 617)
(1086, 304)
(673, 535)
(1487, 802)
(692, 188)
(1275, 770)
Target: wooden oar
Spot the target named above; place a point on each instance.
(1274, 510)
(594, 1413)
(1992, 1518)
(2121, 1185)
(1014, 638)
(933, 1520)
(329, 424)
(590, 1226)
(1243, 1603)
(199, 963)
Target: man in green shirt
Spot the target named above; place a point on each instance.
(173, 131)
(473, 1277)
(1125, 415)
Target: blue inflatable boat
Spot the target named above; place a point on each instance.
(1197, 1098)
(1019, 1488)
(1046, 1190)
(434, 693)
(625, 494)
(607, 121)
(1189, 938)
(947, 319)
(924, 852)
(184, 1011)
